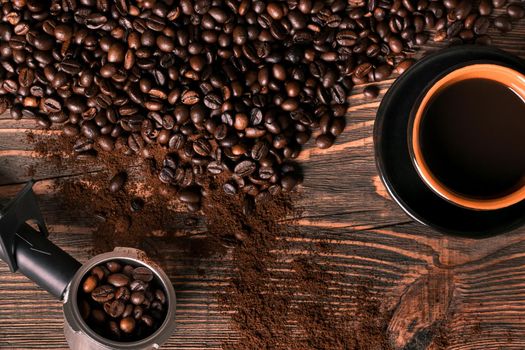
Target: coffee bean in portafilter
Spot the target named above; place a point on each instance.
(122, 302)
(233, 87)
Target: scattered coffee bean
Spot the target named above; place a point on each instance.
(516, 11)
(189, 196)
(117, 182)
(137, 204)
(324, 141)
(503, 23)
(371, 92)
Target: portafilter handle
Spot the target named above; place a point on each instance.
(28, 251)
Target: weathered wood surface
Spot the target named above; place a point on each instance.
(478, 286)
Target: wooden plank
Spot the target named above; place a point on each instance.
(473, 289)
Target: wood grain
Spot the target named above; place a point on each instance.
(476, 288)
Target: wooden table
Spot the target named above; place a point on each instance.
(425, 277)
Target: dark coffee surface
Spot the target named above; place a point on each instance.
(473, 138)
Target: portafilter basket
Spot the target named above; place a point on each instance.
(29, 252)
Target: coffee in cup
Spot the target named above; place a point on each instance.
(467, 137)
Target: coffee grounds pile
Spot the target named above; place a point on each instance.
(274, 302)
(284, 303)
(143, 207)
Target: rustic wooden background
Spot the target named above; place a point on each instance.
(478, 286)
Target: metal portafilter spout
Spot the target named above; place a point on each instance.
(29, 252)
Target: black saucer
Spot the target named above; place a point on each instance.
(392, 154)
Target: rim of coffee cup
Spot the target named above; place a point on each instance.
(504, 75)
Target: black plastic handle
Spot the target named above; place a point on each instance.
(26, 250)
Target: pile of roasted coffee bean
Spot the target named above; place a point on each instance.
(122, 302)
(223, 86)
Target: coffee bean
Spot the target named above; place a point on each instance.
(106, 143)
(462, 10)
(142, 274)
(10, 86)
(338, 126)
(230, 188)
(117, 182)
(503, 23)
(138, 312)
(202, 147)
(76, 104)
(245, 168)
(160, 296)
(190, 97)
(516, 11)
(213, 101)
(41, 41)
(288, 182)
(90, 284)
(324, 141)
(189, 196)
(167, 175)
(485, 7)
(90, 130)
(99, 272)
(499, 3)
(116, 52)
(114, 308)
(215, 168)
(128, 311)
(5, 103)
(363, 69)
(403, 66)
(71, 66)
(259, 150)
(51, 105)
(481, 25)
(338, 92)
(26, 76)
(137, 298)
(454, 29)
(127, 325)
(136, 204)
(395, 44)
(118, 280)
(122, 293)
(147, 320)
(103, 293)
(113, 266)
(346, 38)
(371, 92)
(63, 32)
